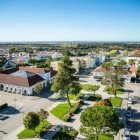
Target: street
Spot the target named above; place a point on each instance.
(18, 107)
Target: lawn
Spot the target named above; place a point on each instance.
(70, 135)
(105, 137)
(75, 96)
(95, 97)
(29, 133)
(119, 90)
(116, 102)
(89, 87)
(63, 111)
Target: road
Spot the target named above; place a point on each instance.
(18, 107)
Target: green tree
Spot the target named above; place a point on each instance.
(32, 61)
(43, 114)
(107, 65)
(75, 88)
(121, 64)
(131, 61)
(38, 88)
(95, 119)
(31, 120)
(65, 79)
(94, 88)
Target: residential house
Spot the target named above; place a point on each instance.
(98, 73)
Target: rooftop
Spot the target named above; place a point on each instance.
(23, 73)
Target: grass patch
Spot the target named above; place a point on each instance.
(75, 96)
(89, 87)
(106, 137)
(103, 137)
(29, 133)
(69, 135)
(119, 90)
(116, 102)
(63, 111)
(95, 97)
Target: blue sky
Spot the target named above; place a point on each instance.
(69, 20)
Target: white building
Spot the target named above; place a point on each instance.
(99, 72)
(22, 80)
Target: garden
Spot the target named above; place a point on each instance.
(66, 134)
(119, 90)
(64, 111)
(89, 87)
(95, 97)
(116, 101)
(30, 133)
(76, 96)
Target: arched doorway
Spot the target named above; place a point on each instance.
(1, 87)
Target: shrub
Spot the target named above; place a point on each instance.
(95, 97)
(105, 102)
(81, 102)
(43, 114)
(65, 117)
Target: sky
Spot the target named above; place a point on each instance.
(69, 20)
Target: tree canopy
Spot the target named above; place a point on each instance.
(31, 120)
(65, 79)
(95, 119)
(38, 88)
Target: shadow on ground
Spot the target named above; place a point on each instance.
(9, 111)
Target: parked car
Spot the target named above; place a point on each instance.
(128, 126)
(128, 114)
(129, 109)
(129, 100)
(127, 135)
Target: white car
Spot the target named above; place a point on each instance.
(127, 135)
(129, 100)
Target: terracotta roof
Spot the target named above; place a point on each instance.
(53, 73)
(99, 69)
(34, 70)
(133, 69)
(20, 81)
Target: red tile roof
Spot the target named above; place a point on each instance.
(20, 81)
(34, 70)
(133, 69)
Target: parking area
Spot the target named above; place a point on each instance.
(132, 116)
(18, 106)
